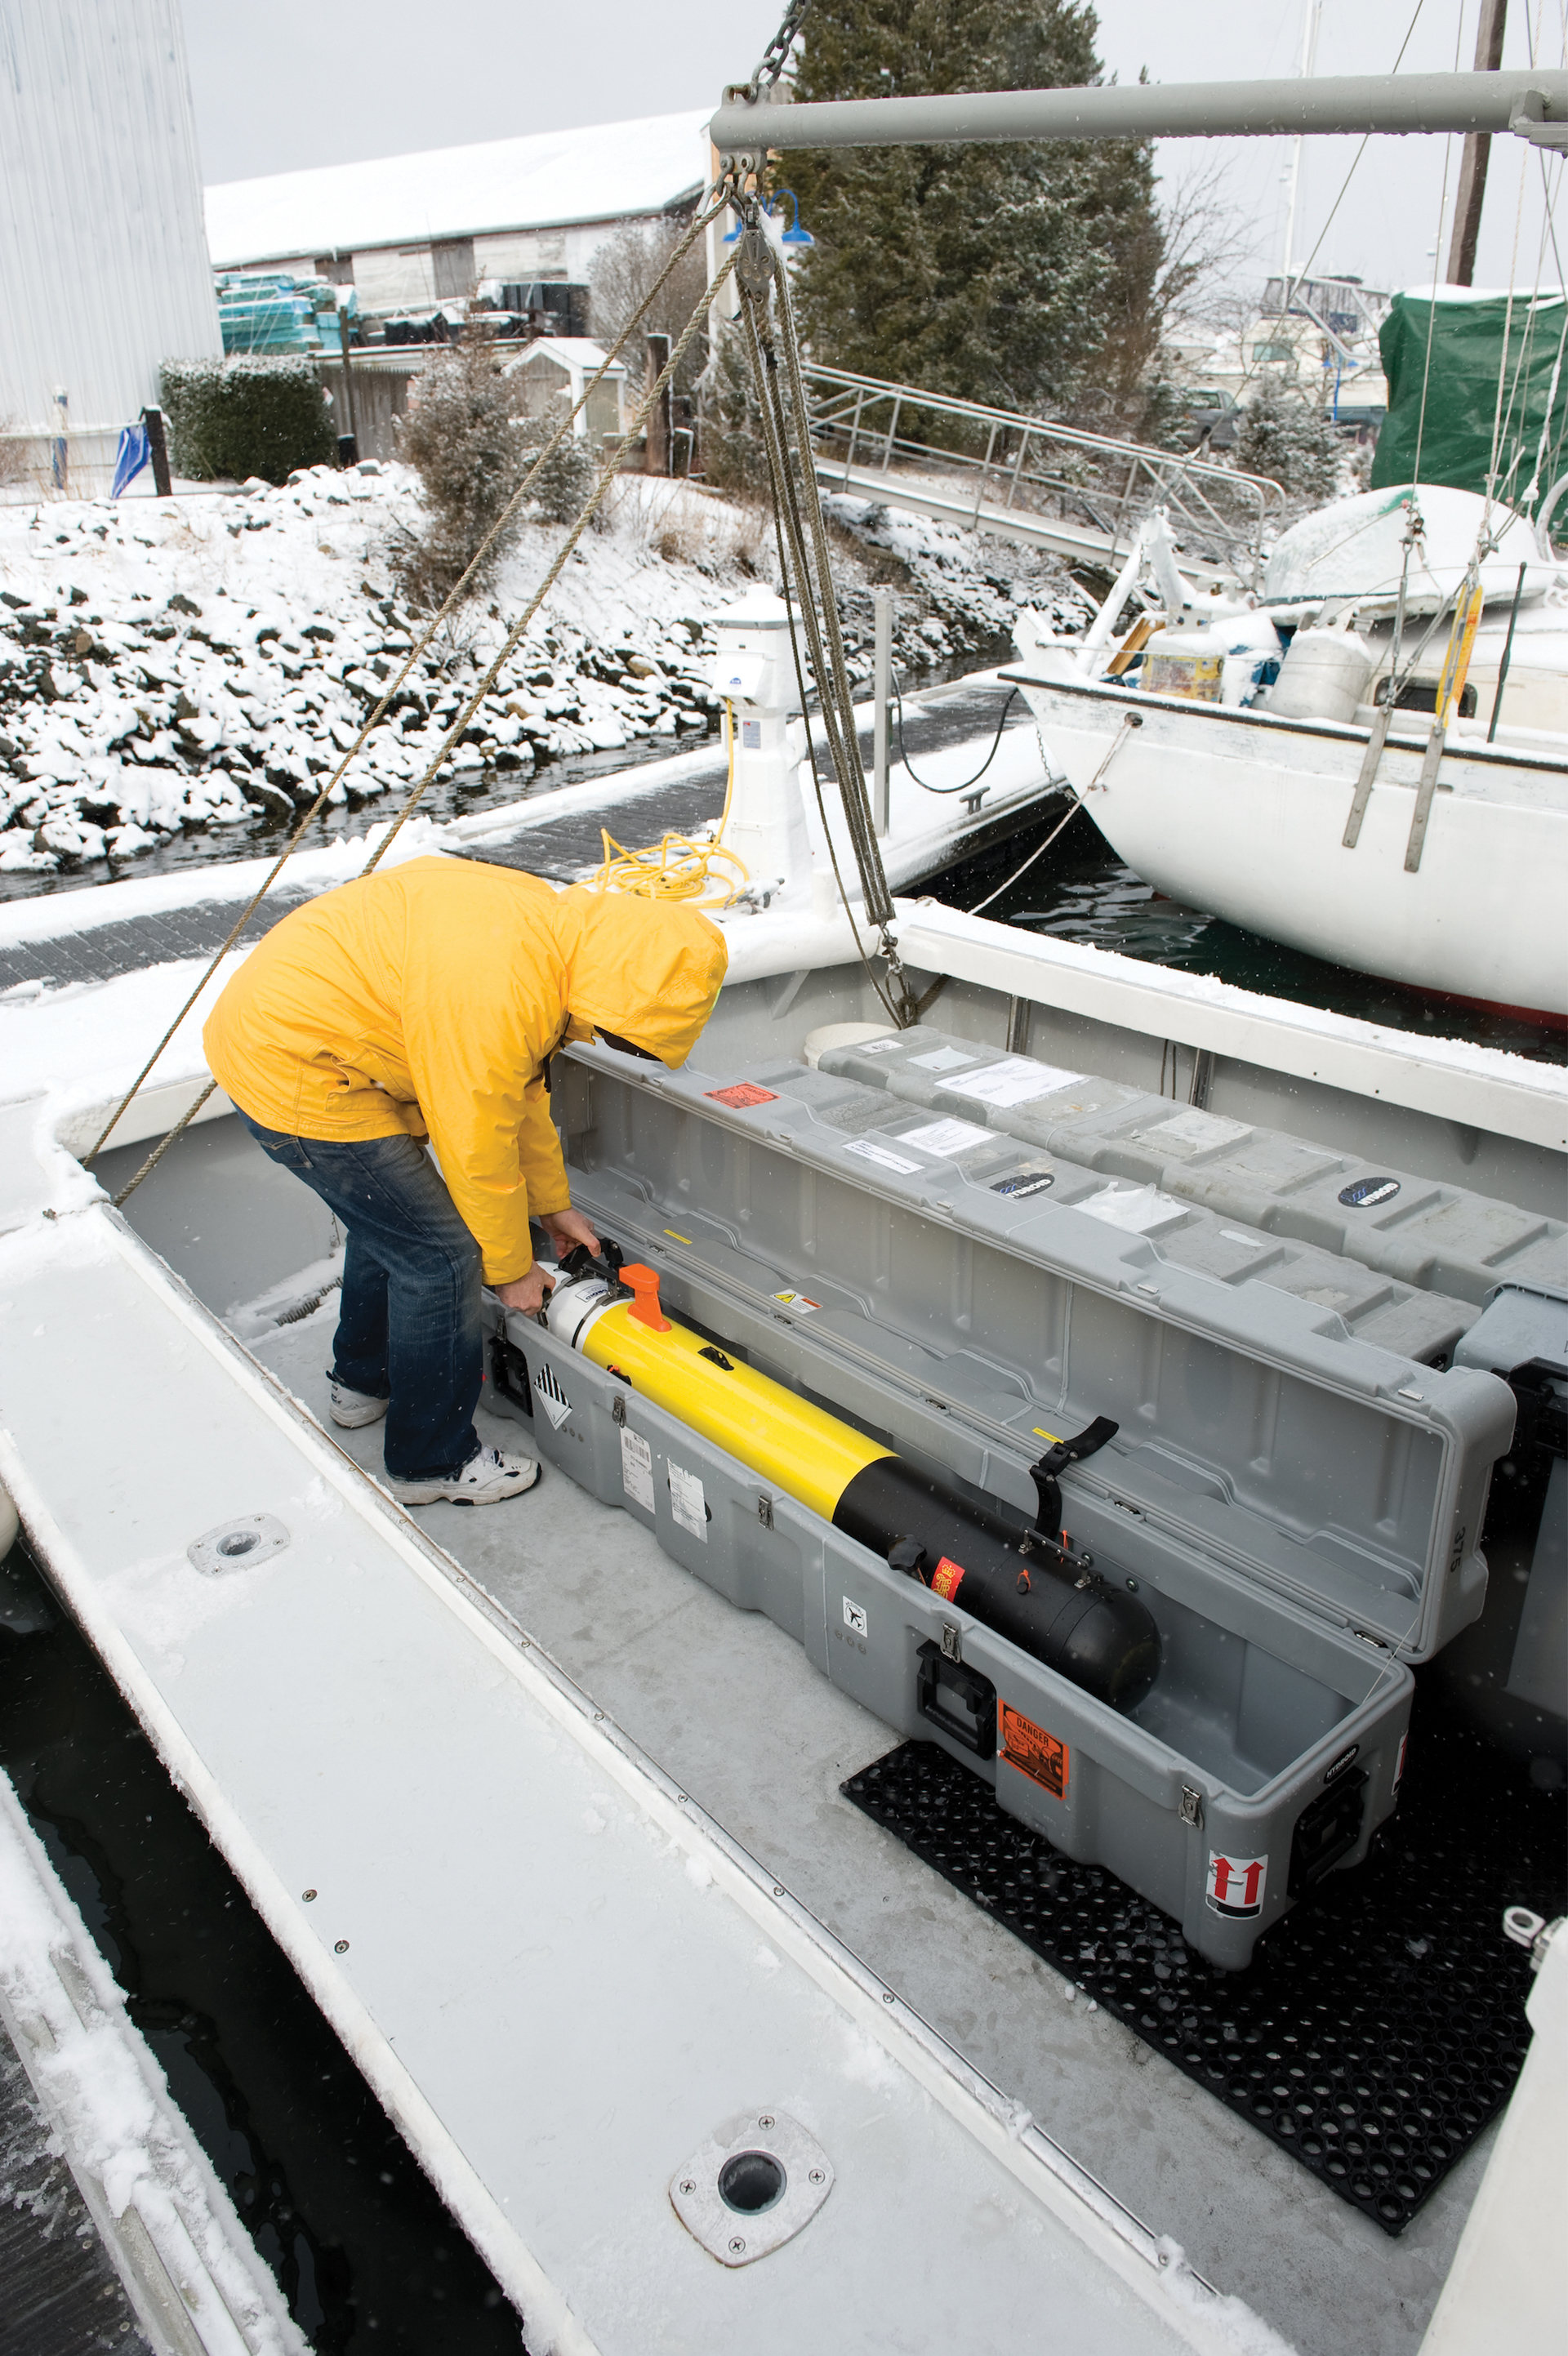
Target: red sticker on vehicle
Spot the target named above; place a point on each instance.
(1236, 1884)
(744, 1093)
(1040, 1756)
(947, 1578)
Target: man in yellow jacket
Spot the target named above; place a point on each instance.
(425, 1003)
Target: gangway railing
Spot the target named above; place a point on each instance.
(1081, 495)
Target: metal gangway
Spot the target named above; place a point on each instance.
(1083, 495)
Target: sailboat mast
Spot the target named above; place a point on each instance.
(1476, 155)
(1311, 19)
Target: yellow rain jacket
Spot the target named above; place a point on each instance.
(428, 1000)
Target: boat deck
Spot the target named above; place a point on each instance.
(729, 1705)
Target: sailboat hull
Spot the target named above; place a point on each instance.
(1244, 815)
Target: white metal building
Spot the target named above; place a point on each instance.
(408, 232)
(103, 267)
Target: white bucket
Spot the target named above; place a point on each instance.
(1322, 677)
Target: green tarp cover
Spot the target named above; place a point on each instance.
(1474, 342)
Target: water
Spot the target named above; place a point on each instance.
(369, 2259)
(1081, 890)
(461, 796)
(464, 794)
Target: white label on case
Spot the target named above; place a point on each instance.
(637, 1468)
(687, 1502)
(879, 1155)
(855, 1617)
(1017, 1080)
(942, 1059)
(947, 1136)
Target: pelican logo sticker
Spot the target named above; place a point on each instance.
(1335, 1767)
(1236, 1883)
(1024, 1183)
(1368, 1193)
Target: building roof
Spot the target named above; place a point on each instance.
(572, 351)
(607, 171)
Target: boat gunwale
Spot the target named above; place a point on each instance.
(1336, 731)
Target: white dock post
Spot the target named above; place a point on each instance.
(882, 624)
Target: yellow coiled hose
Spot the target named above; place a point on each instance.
(677, 867)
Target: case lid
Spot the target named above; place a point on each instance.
(1251, 1419)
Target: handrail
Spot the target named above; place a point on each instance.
(1113, 483)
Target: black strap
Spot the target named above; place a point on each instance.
(1055, 1461)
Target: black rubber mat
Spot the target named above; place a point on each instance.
(1381, 2024)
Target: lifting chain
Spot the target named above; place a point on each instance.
(774, 57)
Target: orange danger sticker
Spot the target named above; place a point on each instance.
(744, 1093)
(947, 1578)
(1031, 1751)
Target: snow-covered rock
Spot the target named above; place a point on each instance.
(206, 664)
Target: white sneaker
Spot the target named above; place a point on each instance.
(485, 1480)
(352, 1408)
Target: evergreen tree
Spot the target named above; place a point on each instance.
(1290, 439)
(1019, 274)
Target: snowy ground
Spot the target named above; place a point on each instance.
(203, 663)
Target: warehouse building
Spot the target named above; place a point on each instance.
(409, 232)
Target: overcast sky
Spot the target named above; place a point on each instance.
(327, 81)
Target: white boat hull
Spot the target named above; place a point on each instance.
(1244, 815)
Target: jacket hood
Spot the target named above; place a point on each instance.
(651, 971)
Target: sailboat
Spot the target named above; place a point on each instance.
(1364, 753)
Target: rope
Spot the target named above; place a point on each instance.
(1036, 854)
(763, 273)
(1130, 720)
(453, 736)
(676, 867)
(787, 524)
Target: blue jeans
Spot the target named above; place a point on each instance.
(409, 1329)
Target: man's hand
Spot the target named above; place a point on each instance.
(527, 1293)
(565, 1228)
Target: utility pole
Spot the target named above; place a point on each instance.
(1477, 151)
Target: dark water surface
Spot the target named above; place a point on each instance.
(367, 2255)
(1079, 890)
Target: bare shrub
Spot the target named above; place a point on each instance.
(625, 269)
(13, 453)
(471, 447)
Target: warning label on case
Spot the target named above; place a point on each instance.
(1236, 1884)
(1040, 1756)
(947, 1578)
(637, 1468)
(744, 1093)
